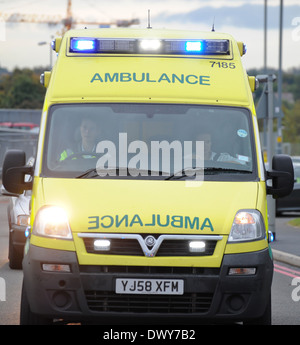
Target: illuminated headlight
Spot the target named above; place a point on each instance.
(52, 221)
(150, 45)
(102, 245)
(197, 246)
(248, 225)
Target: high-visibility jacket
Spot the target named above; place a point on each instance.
(68, 152)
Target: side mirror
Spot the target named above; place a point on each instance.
(282, 175)
(14, 171)
(4, 192)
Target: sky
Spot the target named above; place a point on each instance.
(21, 44)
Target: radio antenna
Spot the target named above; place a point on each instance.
(213, 26)
(149, 24)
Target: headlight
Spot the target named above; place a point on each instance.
(248, 225)
(52, 221)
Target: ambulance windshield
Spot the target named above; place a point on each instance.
(149, 141)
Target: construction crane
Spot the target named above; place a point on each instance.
(68, 21)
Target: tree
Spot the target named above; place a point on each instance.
(291, 123)
(21, 89)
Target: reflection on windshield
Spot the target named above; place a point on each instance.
(147, 140)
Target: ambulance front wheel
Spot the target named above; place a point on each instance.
(26, 315)
(15, 256)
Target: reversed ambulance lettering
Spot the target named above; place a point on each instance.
(126, 221)
(148, 78)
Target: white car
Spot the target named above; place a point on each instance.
(18, 220)
(18, 214)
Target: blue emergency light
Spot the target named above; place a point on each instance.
(27, 231)
(193, 46)
(86, 45)
(83, 45)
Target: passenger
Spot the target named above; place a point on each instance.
(214, 156)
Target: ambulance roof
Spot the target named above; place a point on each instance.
(148, 65)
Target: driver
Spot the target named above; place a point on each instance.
(88, 141)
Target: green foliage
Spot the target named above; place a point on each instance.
(295, 222)
(291, 123)
(291, 111)
(21, 89)
(290, 81)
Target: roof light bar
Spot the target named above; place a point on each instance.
(87, 45)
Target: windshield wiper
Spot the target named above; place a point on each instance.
(87, 173)
(94, 172)
(207, 171)
(226, 170)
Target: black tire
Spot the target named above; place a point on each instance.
(265, 319)
(14, 256)
(26, 315)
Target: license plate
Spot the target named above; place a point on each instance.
(149, 286)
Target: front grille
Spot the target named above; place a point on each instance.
(149, 270)
(189, 303)
(168, 247)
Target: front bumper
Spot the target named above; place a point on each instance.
(88, 292)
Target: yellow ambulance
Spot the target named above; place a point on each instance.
(149, 187)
